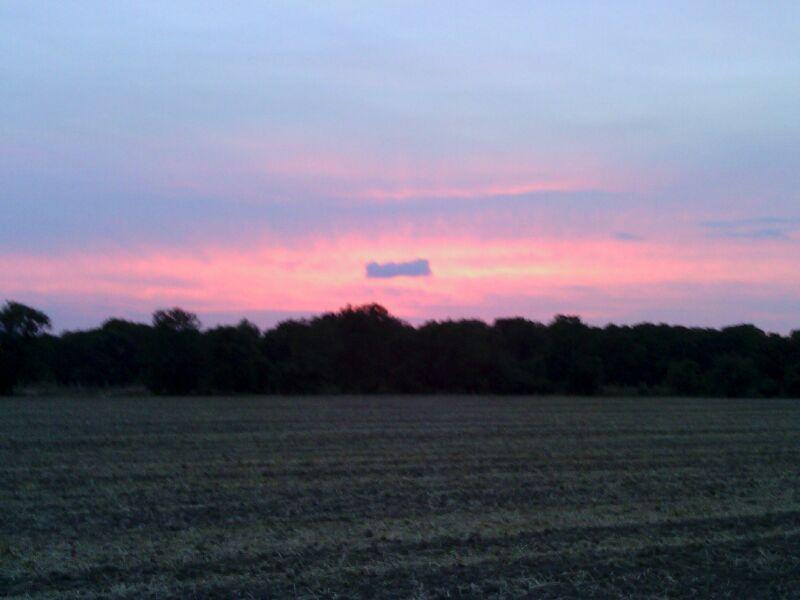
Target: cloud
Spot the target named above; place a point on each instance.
(625, 236)
(411, 268)
(490, 191)
(763, 228)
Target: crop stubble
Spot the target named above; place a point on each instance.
(399, 496)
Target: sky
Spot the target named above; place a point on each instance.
(624, 161)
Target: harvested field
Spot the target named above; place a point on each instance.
(402, 497)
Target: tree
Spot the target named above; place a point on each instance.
(457, 356)
(176, 355)
(236, 363)
(366, 348)
(522, 346)
(625, 360)
(684, 378)
(733, 376)
(299, 359)
(176, 320)
(123, 344)
(112, 355)
(791, 385)
(573, 363)
(20, 326)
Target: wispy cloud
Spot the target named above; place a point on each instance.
(626, 236)
(762, 228)
(412, 268)
(492, 191)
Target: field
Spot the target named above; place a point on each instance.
(399, 497)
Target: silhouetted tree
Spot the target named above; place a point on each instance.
(791, 381)
(236, 363)
(457, 356)
(366, 346)
(733, 376)
(124, 344)
(521, 347)
(684, 378)
(364, 349)
(114, 355)
(573, 364)
(625, 357)
(20, 325)
(176, 354)
(791, 384)
(299, 358)
(79, 360)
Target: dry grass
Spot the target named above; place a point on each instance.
(399, 497)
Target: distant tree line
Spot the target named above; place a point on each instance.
(366, 350)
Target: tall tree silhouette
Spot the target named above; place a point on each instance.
(176, 364)
(20, 325)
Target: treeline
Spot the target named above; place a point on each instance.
(364, 349)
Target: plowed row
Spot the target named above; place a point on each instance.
(402, 497)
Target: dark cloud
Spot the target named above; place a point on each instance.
(763, 228)
(411, 268)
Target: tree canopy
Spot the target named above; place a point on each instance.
(366, 350)
(20, 325)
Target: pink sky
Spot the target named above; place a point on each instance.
(626, 164)
(602, 279)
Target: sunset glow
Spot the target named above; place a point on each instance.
(139, 171)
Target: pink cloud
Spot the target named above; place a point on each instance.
(255, 169)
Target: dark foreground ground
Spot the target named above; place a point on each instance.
(399, 497)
